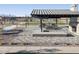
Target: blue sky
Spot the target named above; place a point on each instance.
(25, 9)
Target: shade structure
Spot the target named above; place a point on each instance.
(53, 13)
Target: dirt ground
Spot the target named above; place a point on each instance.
(41, 49)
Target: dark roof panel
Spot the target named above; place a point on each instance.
(52, 12)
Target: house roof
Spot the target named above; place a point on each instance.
(39, 12)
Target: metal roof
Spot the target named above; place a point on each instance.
(53, 12)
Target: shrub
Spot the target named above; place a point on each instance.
(45, 31)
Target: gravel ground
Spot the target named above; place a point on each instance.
(26, 37)
(40, 44)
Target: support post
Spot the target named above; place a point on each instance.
(56, 21)
(67, 21)
(41, 24)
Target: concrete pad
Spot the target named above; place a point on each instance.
(59, 49)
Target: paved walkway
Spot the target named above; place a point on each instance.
(41, 49)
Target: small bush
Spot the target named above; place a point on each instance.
(45, 31)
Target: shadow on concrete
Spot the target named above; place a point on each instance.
(41, 51)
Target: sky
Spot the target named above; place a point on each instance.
(25, 9)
